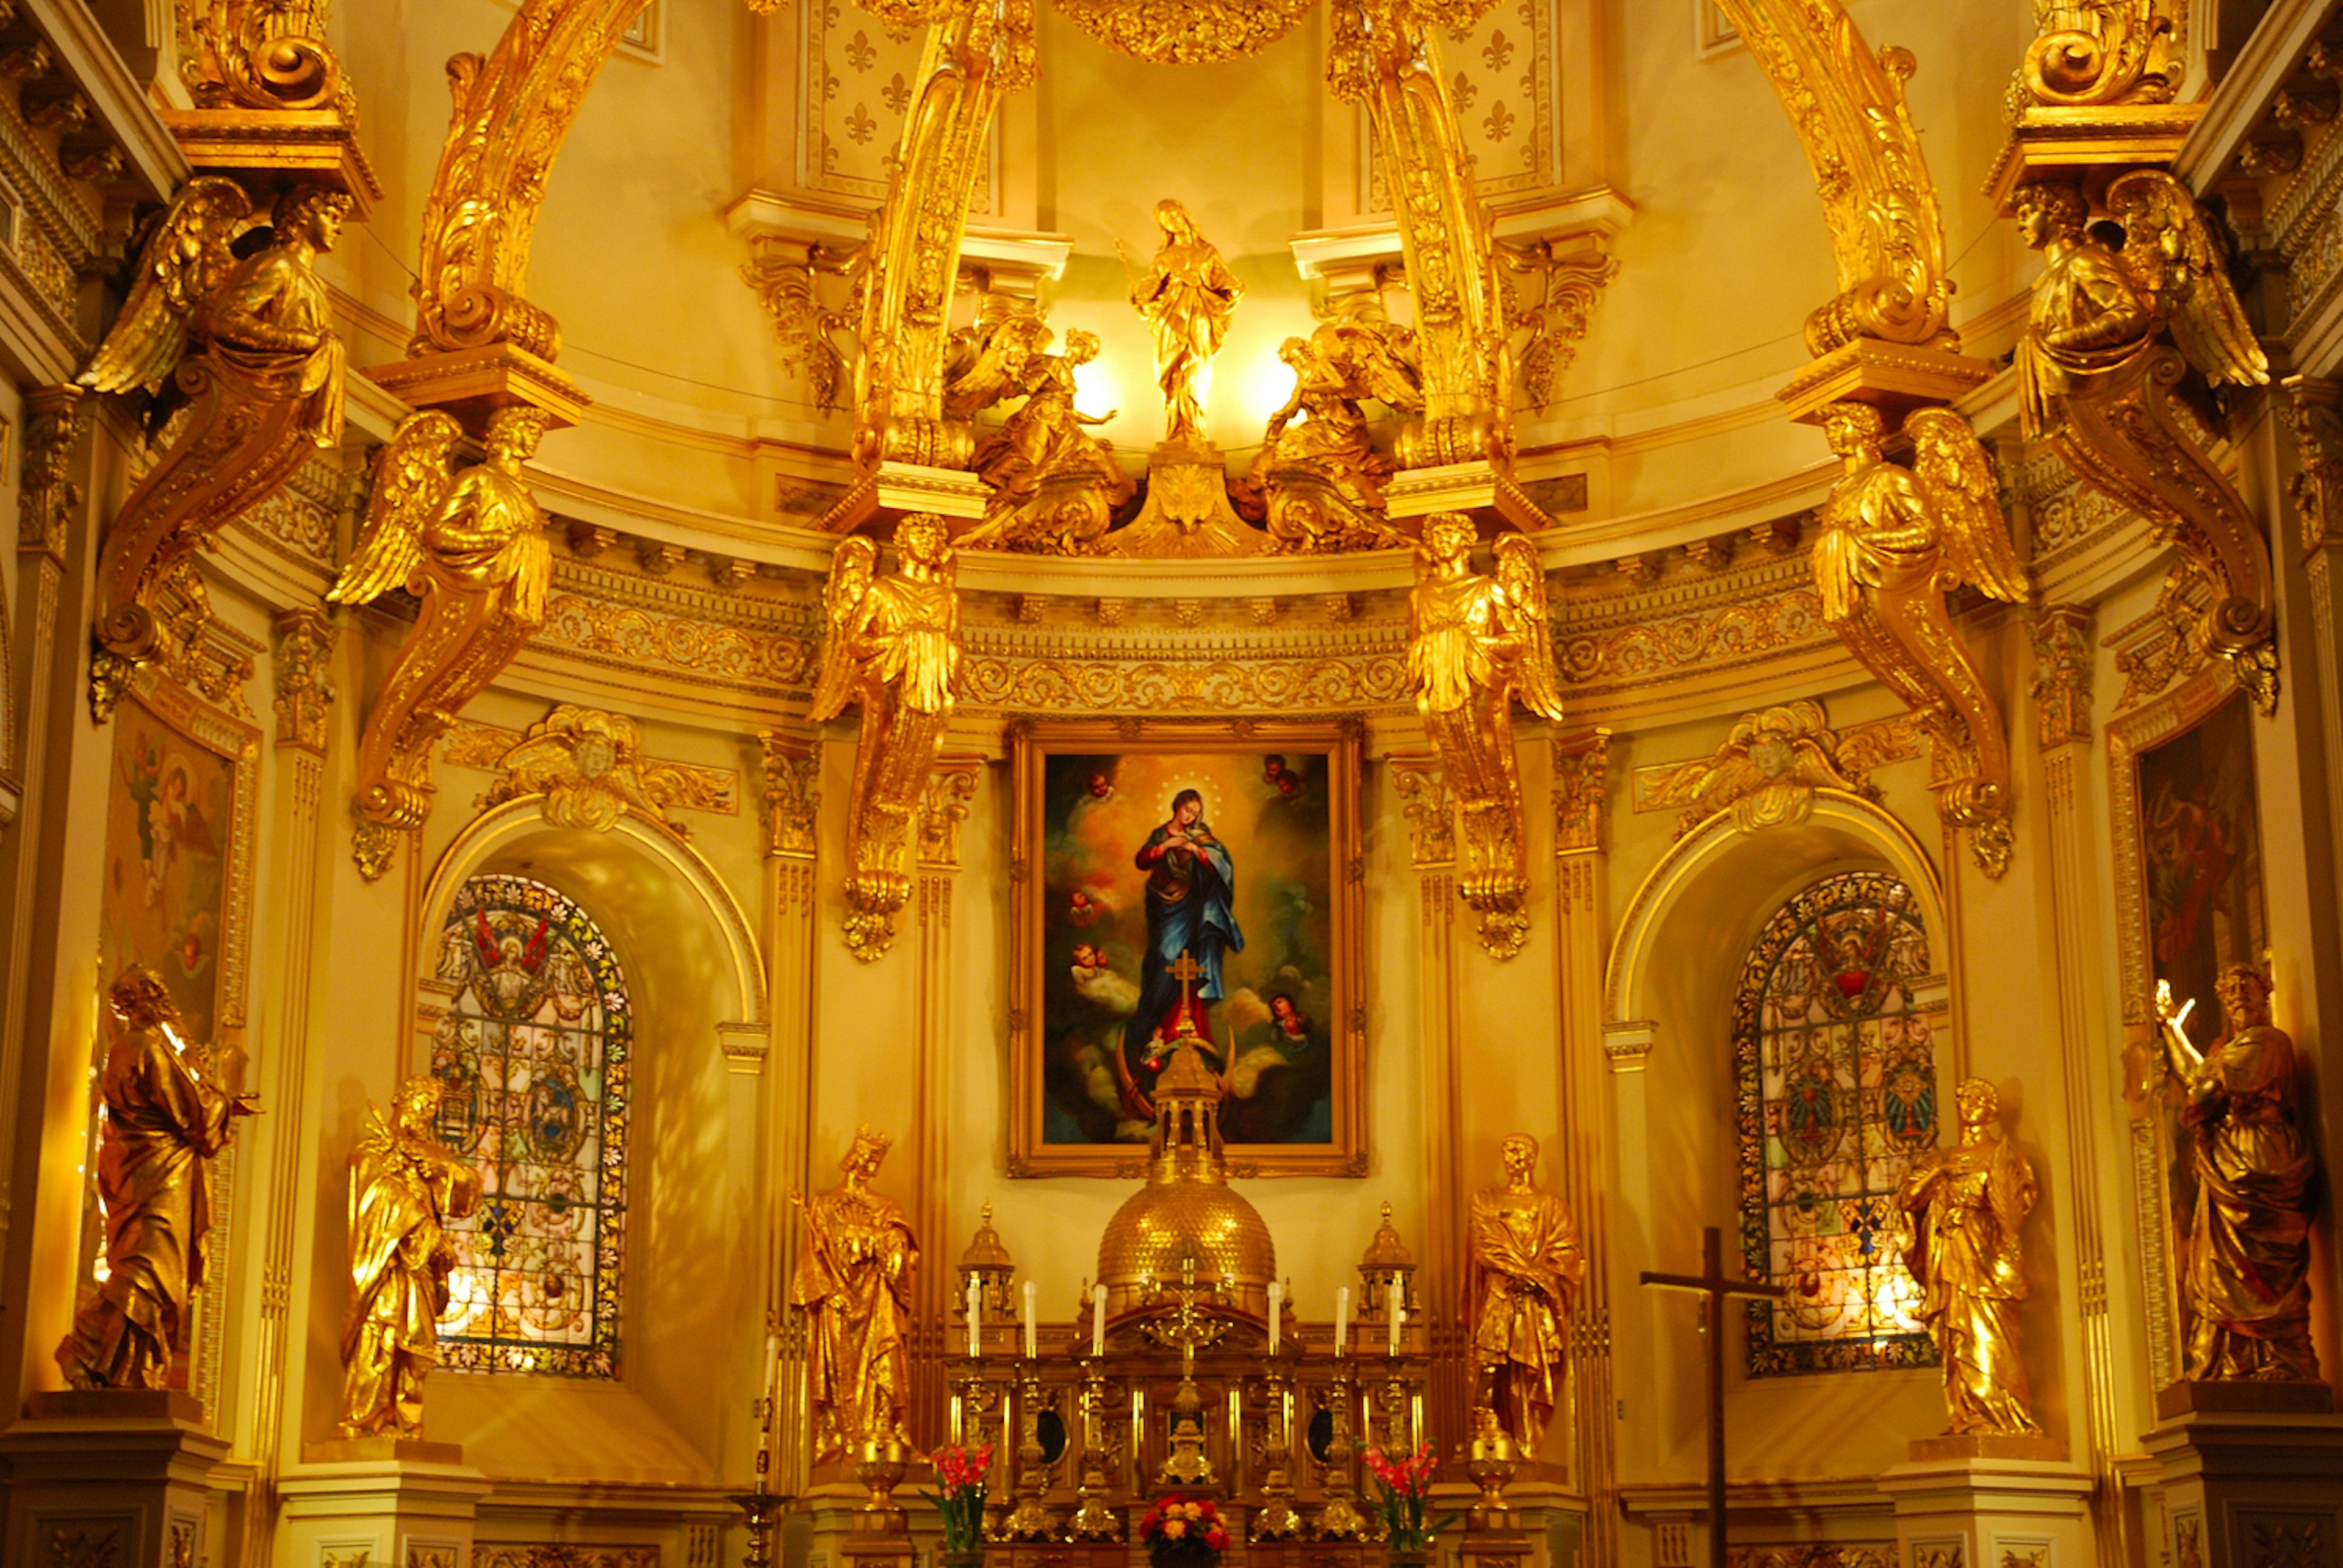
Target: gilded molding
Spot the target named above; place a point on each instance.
(1185, 32)
(1846, 105)
(590, 767)
(565, 1554)
(1840, 1554)
(2167, 644)
(305, 697)
(791, 802)
(1770, 766)
(2062, 658)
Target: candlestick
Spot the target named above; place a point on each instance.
(975, 1319)
(1397, 1298)
(1276, 1304)
(1032, 1338)
(1341, 1317)
(772, 1363)
(1097, 1321)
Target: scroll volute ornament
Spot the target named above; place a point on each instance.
(470, 544)
(250, 345)
(1846, 105)
(2107, 53)
(261, 54)
(1894, 542)
(2103, 375)
(892, 646)
(1475, 643)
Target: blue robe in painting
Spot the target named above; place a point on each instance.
(1190, 897)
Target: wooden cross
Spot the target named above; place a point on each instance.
(1714, 1283)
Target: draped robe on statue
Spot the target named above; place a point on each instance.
(1520, 1277)
(2246, 1280)
(400, 1198)
(1191, 895)
(164, 1124)
(1961, 1216)
(854, 1284)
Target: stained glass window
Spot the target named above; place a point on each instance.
(1837, 1093)
(533, 1053)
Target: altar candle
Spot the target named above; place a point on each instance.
(1341, 1317)
(975, 1319)
(1097, 1321)
(1276, 1302)
(1032, 1339)
(1398, 1313)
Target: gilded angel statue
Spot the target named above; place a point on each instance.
(1894, 541)
(250, 344)
(891, 644)
(470, 544)
(2116, 339)
(1319, 482)
(1957, 1216)
(1475, 643)
(1052, 487)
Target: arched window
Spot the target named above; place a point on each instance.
(533, 1052)
(1837, 1092)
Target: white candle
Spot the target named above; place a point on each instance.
(1032, 1340)
(1341, 1318)
(772, 1365)
(1098, 1319)
(975, 1319)
(1398, 1312)
(1276, 1302)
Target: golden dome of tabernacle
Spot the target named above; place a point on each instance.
(1186, 1217)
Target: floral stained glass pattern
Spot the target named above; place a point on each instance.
(533, 1055)
(1837, 1093)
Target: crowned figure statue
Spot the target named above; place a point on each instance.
(853, 1284)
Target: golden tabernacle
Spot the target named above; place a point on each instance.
(1171, 783)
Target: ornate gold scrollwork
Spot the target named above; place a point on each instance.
(261, 54)
(1847, 106)
(2103, 371)
(471, 546)
(1894, 541)
(1475, 643)
(977, 50)
(513, 108)
(1382, 53)
(893, 647)
(250, 344)
(1185, 31)
(589, 769)
(2101, 52)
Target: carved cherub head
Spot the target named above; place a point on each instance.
(1448, 539)
(312, 214)
(2048, 210)
(920, 539)
(513, 434)
(1855, 431)
(2244, 991)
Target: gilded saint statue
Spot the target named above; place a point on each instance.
(853, 1284)
(1521, 1276)
(2103, 375)
(2245, 1275)
(1958, 1213)
(1187, 297)
(166, 1120)
(1894, 541)
(1476, 642)
(892, 646)
(247, 346)
(471, 545)
(404, 1189)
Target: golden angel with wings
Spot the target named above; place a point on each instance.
(891, 644)
(250, 344)
(1320, 481)
(2118, 340)
(1894, 541)
(1475, 643)
(470, 544)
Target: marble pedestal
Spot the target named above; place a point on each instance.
(1990, 1503)
(2254, 1480)
(379, 1502)
(106, 1476)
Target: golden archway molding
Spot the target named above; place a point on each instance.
(1846, 105)
(513, 110)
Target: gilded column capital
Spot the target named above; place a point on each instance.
(944, 805)
(1582, 790)
(2314, 411)
(791, 771)
(305, 697)
(1430, 808)
(55, 417)
(2062, 673)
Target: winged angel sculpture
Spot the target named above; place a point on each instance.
(892, 646)
(1475, 643)
(470, 544)
(246, 348)
(1894, 541)
(2119, 339)
(1318, 483)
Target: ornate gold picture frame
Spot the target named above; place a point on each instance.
(1204, 875)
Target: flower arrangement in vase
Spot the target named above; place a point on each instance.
(1184, 1533)
(1405, 1484)
(959, 1495)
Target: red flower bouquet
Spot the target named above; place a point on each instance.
(1184, 1533)
(1406, 1487)
(959, 1495)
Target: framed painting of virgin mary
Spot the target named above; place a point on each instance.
(1182, 878)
